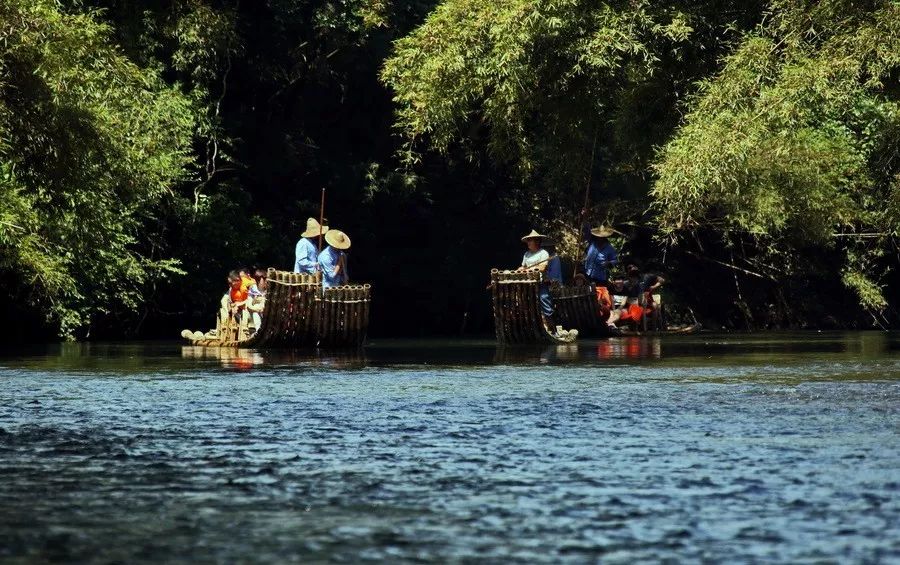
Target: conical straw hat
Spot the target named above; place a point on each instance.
(337, 239)
(602, 231)
(313, 229)
(533, 235)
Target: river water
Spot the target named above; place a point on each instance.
(759, 448)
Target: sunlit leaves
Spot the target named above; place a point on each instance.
(796, 138)
(523, 70)
(91, 142)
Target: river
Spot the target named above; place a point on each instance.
(720, 448)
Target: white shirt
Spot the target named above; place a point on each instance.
(533, 258)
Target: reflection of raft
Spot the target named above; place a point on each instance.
(517, 309)
(300, 314)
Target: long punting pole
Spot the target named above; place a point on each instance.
(321, 218)
(587, 195)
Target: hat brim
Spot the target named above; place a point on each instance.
(314, 233)
(602, 232)
(339, 245)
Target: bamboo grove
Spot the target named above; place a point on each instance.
(747, 149)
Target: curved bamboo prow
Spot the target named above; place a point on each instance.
(517, 309)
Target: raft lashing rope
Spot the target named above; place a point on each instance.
(299, 314)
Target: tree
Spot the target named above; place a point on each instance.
(795, 143)
(91, 143)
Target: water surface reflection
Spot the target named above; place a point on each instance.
(747, 448)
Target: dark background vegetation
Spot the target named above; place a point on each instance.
(276, 100)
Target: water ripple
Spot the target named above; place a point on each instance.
(411, 463)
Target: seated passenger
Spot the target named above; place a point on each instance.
(239, 291)
(246, 280)
(639, 292)
(333, 259)
(257, 298)
(234, 298)
(305, 254)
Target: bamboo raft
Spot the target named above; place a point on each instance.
(517, 309)
(298, 314)
(517, 316)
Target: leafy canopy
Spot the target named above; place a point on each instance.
(539, 75)
(796, 139)
(90, 143)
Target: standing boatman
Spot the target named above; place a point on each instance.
(537, 258)
(307, 251)
(599, 257)
(333, 259)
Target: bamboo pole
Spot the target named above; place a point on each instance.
(537, 311)
(507, 306)
(351, 313)
(527, 311)
(517, 307)
(587, 197)
(310, 313)
(498, 320)
(321, 218)
(366, 310)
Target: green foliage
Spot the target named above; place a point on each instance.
(796, 138)
(539, 75)
(193, 136)
(90, 144)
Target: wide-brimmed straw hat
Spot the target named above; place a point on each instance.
(337, 239)
(533, 235)
(313, 229)
(602, 231)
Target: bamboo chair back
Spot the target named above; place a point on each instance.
(576, 307)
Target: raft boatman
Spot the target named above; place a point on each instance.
(600, 256)
(537, 258)
(333, 259)
(306, 253)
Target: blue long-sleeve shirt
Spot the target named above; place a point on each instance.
(305, 257)
(330, 258)
(598, 258)
(554, 269)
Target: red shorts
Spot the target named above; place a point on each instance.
(633, 313)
